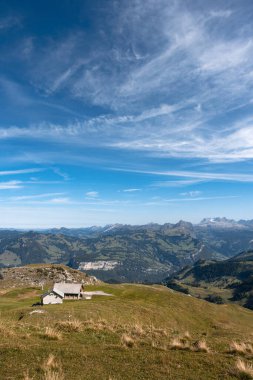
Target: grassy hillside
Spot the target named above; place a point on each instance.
(227, 281)
(141, 332)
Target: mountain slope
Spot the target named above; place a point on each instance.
(142, 255)
(230, 280)
(33, 248)
(125, 254)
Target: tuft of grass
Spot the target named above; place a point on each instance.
(73, 325)
(52, 369)
(244, 369)
(127, 341)
(241, 348)
(52, 334)
(201, 346)
(187, 335)
(179, 344)
(138, 330)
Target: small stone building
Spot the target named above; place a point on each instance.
(52, 297)
(70, 290)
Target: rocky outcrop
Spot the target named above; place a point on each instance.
(40, 275)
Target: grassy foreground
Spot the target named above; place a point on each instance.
(141, 332)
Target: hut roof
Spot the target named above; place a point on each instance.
(67, 288)
(56, 291)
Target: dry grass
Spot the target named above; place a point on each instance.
(127, 341)
(73, 325)
(52, 334)
(52, 369)
(187, 335)
(179, 344)
(241, 348)
(201, 346)
(6, 330)
(138, 330)
(159, 346)
(158, 332)
(98, 325)
(27, 376)
(245, 370)
(182, 342)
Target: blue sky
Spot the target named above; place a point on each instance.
(125, 111)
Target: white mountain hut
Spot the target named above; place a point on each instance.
(52, 297)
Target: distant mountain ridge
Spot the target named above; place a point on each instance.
(219, 222)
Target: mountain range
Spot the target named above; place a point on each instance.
(126, 253)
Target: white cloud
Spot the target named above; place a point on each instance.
(221, 13)
(92, 194)
(130, 190)
(20, 171)
(34, 196)
(164, 86)
(11, 185)
(206, 176)
(61, 173)
(226, 55)
(192, 194)
(177, 183)
(59, 201)
(163, 202)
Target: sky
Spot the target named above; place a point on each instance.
(130, 112)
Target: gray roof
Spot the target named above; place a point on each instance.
(56, 291)
(67, 288)
(59, 292)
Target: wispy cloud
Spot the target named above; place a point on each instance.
(11, 185)
(177, 183)
(20, 171)
(9, 22)
(61, 173)
(92, 194)
(131, 190)
(192, 194)
(59, 201)
(35, 196)
(233, 177)
(162, 202)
